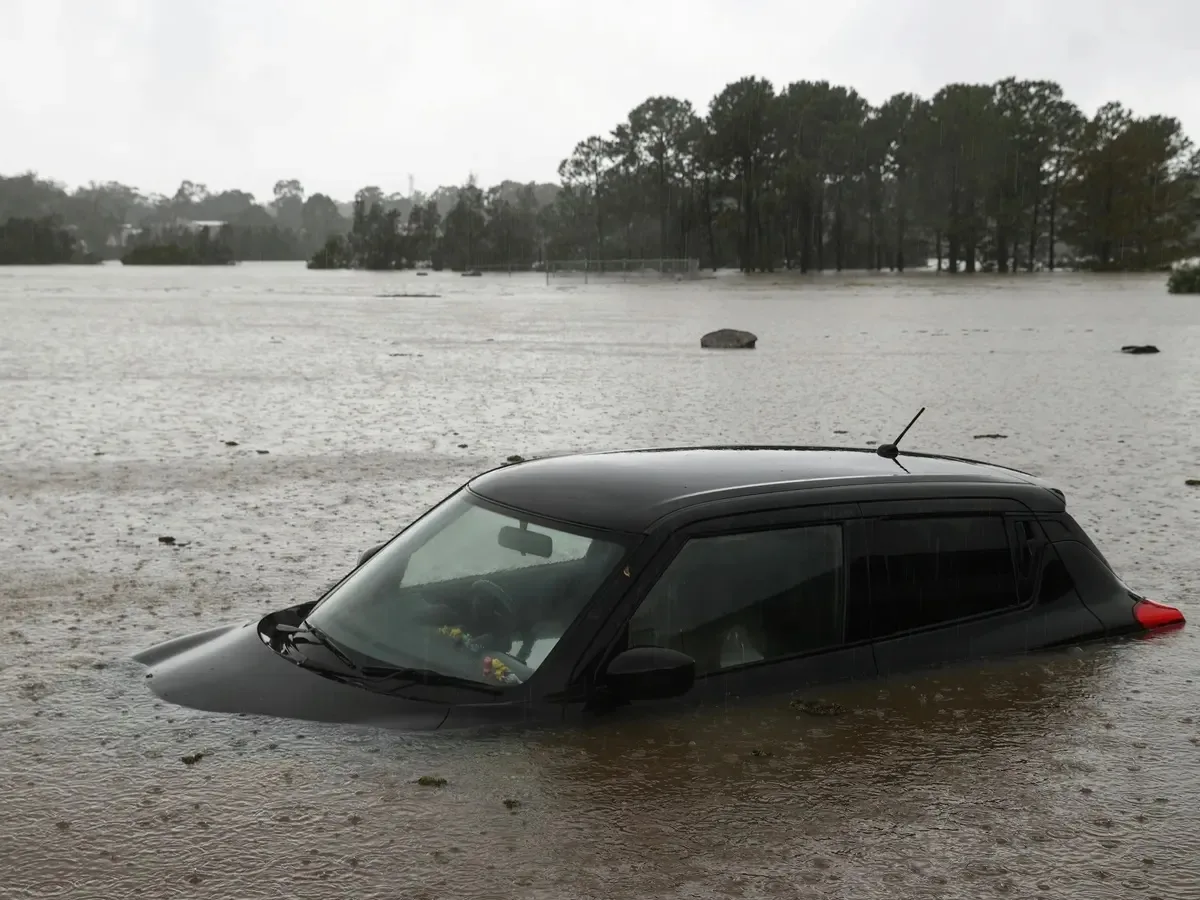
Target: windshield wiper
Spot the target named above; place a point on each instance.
(305, 629)
(410, 676)
(375, 675)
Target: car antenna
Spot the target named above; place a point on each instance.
(892, 450)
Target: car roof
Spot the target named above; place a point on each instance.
(628, 490)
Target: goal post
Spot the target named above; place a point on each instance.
(623, 269)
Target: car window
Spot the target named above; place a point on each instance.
(1029, 545)
(734, 599)
(466, 587)
(931, 570)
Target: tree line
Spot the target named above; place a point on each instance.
(203, 246)
(41, 241)
(504, 227)
(996, 177)
(999, 176)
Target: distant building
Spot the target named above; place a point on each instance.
(122, 237)
(195, 225)
(128, 232)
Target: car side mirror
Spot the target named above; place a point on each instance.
(367, 554)
(650, 673)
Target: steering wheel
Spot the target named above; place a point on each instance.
(501, 602)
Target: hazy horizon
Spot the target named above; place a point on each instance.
(240, 96)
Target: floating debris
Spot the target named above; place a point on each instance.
(992, 436)
(515, 458)
(192, 758)
(431, 781)
(231, 443)
(818, 707)
(761, 753)
(512, 805)
(1139, 348)
(397, 296)
(166, 539)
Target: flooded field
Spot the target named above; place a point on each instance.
(1076, 775)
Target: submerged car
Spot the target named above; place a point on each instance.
(598, 584)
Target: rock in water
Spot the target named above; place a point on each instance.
(729, 339)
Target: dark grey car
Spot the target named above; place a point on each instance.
(576, 586)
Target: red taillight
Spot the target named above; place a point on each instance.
(1156, 615)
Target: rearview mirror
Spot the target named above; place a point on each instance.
(367, 554)
(650, 673)
(525, 541)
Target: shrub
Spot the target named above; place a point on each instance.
(1184, 279)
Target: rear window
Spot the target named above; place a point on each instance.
(931, 570)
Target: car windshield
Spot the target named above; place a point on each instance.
(469, 591)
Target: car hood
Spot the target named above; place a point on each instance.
(229, 669)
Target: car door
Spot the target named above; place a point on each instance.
(764, 603)
(951, 580)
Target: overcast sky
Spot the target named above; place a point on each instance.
(345, 93)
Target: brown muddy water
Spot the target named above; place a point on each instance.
(1076, 775)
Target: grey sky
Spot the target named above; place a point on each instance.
(344, 93)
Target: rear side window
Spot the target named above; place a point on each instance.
(932, 570)
(735, 599)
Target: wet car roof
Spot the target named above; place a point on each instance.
(627, 490)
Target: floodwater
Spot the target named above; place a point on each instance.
(1076, 775)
